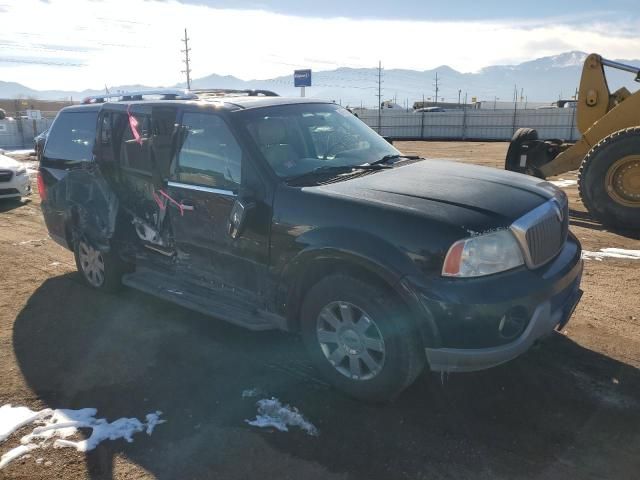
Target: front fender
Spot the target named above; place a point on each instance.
(335, 248)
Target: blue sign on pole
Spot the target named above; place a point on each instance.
(302, 78)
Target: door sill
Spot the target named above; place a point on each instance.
(204, 300)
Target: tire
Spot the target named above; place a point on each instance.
(522, 135)
(110, 266)
(396, 352)
(601, 187)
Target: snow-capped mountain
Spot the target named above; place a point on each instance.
(540, 80)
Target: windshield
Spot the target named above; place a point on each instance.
(296, 139)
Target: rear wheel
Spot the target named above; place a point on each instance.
(513, 161)
(99, 270)
(609, 179)
(360, 338)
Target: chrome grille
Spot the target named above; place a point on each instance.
(5, 175)
(543, 231)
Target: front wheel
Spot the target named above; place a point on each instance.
(99, 270)
(360, 338)
(609, 179)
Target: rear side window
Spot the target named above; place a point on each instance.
(210, 155)
(135, 153)
(72, 136)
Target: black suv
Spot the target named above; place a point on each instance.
(292, 214)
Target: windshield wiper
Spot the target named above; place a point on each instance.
(335, 170)
(388, 158)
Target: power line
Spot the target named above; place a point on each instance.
(187, 60)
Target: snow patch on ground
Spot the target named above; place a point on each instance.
(611, 253)
(250, 393)
(57, 426)
(10, 153)
(561, 182)
(271, 413)
(35, 243)
(17, 452)
(13, 418)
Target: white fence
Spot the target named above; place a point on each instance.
(19, 132)
(472, 124)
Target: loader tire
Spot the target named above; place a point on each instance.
(512, 162)
(609, 180)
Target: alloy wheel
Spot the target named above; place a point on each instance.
(350, 340)
(91, 263)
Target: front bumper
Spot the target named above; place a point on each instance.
(465, 320)
(543, 322)
(18, 186)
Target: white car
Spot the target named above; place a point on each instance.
(14, 179)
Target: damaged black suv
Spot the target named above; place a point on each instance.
(275, 213)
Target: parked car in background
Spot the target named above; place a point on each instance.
(292, 214)
(38, 143)
(14, 179)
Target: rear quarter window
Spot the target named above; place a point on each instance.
(72, 136)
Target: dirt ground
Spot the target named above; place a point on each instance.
(569, 408)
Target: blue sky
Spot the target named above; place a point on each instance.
(567, 10)
(78, 44)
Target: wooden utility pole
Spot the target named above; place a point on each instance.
(187, 60)
(379, 96)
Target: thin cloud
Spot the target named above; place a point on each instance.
(138, 41)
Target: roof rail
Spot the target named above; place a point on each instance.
(176, 94)
(163, 93)
(225, 92)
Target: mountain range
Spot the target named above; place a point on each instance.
(541, 80)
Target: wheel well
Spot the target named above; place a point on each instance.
(319, 269)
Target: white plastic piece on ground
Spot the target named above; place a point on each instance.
(271, 413)
(564, 183)
(15, 453)
(611, 253)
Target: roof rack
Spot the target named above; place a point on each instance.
(229, 92)
(176, 94)
(163, 94)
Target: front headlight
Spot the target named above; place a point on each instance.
(483, 255)
(21, 171)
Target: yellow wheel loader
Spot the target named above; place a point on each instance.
(607, 154)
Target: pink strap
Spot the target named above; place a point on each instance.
(133, 124)
(165, 195)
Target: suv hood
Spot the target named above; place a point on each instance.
(456, 193)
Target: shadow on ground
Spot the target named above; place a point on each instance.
(8, 204)
(585, 220)
(561, 411)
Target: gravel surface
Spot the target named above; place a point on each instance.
(569, 408)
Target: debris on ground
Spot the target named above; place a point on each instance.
(271, 413)
(57, 426)
(611, 253)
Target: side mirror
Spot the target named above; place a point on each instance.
(389, 140)
(238, 217)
